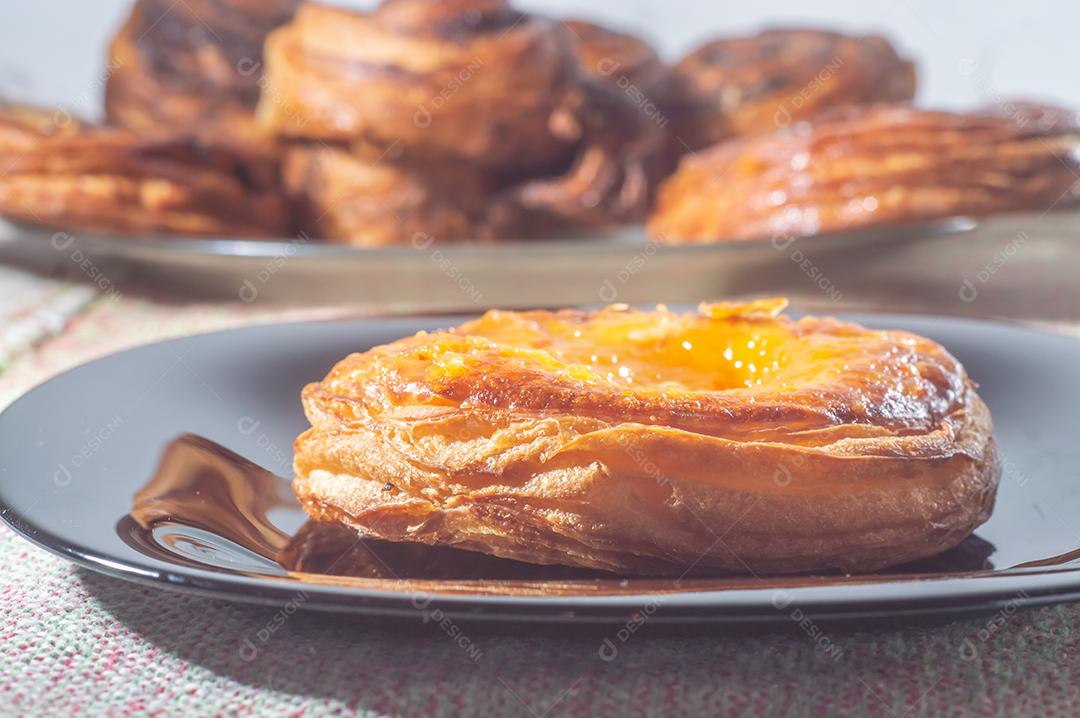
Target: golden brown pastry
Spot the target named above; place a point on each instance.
(730, 439)
(473, 87)
(859, 167)
(191, 67)
(363, 198)
(469, 79)
(61, 172)
(748, 85)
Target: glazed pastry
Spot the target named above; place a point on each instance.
(191, 67)
(732, 439)
(472, 80)
(860, 167)
(749, 85)
(363, 198)
(63, 173)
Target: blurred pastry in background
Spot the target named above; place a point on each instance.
(622, 60)
(472, 80)
(611, 181)
(472, 120)
(362, 197)
(193, 67)
(621, 152)
(865, 166)
(749, 85)
(471, 88)
(64, 173)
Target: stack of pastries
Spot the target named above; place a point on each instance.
(456, 119)
(179, 152)
(470, 119)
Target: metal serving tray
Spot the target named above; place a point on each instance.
(1016, 266)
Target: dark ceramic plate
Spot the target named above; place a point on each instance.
(145, 465)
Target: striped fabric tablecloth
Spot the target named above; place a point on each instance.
(76, 643)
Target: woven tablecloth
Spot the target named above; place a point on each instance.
(76, 643)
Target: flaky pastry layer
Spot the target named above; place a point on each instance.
(859, 167)
(64, 173)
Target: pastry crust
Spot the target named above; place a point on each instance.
(748, 85)
(873, 165)
(61, 172)
(728, 440)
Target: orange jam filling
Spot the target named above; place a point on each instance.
(716, 350)
(725, 369)
(640, 352)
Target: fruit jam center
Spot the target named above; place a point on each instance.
(640, 352)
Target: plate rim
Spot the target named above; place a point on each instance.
(630, 237)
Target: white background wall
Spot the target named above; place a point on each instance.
(969, 52)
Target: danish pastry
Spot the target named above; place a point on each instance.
(64, 173)
(473, 80)
(193, 67)
(858, 167)
(731, 439)
(748, 85)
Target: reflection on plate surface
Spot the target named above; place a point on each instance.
(208, 506)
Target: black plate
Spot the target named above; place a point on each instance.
(76, 450)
